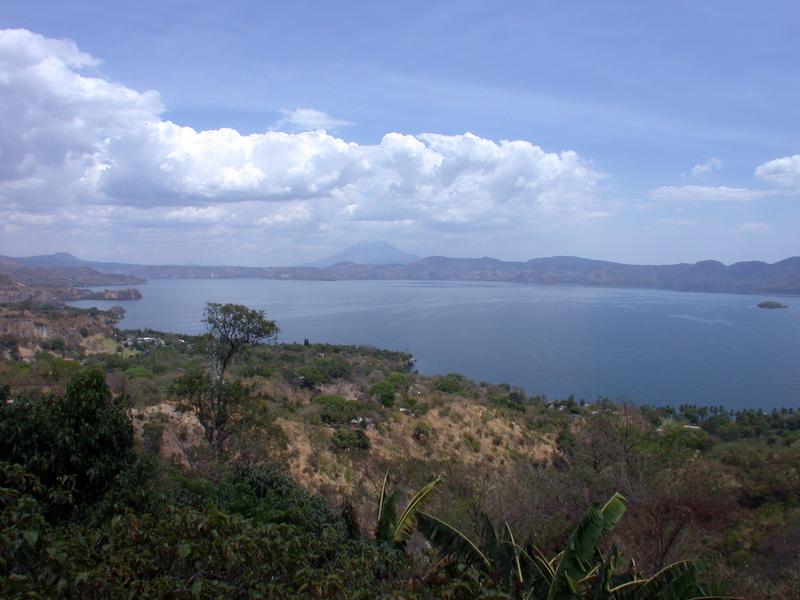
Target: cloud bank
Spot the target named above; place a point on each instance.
(92, 166)
(71, 139)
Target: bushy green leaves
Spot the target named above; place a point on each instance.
(384, 392)
(581, 549)
(231, 327)
(336, 410)
(254, 534)
(452, 383)
(579, 571)
(350, 439)
(84, 435)
(183, 553)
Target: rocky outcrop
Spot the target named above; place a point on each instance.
(771, 304)
(27, 327)
(12, 291)
(82, 294)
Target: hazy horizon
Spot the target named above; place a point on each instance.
(320, 258)
(248, 135)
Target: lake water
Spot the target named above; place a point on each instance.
(647, 346)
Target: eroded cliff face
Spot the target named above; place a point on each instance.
(14, 291)
(27, 328)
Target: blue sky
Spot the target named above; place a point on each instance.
(648, 132)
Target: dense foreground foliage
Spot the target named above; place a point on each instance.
(110, 523)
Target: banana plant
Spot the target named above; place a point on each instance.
(580, 571)
(495, 553)
(394, 528)
(580, 558)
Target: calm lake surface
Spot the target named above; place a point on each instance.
(647, 346)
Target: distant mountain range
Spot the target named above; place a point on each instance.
(61, 270)
(367, 253)
(753, 277)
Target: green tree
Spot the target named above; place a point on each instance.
(57, 344)
(217, 405)
(384, 392)
(231, 328)
(82, 439)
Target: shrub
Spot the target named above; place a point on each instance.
(518, 396)
(566, 442)
(678, 438)
(266, 494)
(452, 383)
(400, 381)
(184, 551)
(384, 392)
(144, 392)
(335, 368)
(421, 432)
(311, 376)
(257, 370)
(507, 401)
(56, 344)
(350, 439)
(152, 435)
(9, 342)
(109, 362)
(84, 436)
(135, 372)
(51, 368)
(336, 409)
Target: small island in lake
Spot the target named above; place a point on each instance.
(771, 304)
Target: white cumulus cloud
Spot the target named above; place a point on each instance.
(80, 153)
(69, 137)
(56, 124)
(783, 171)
